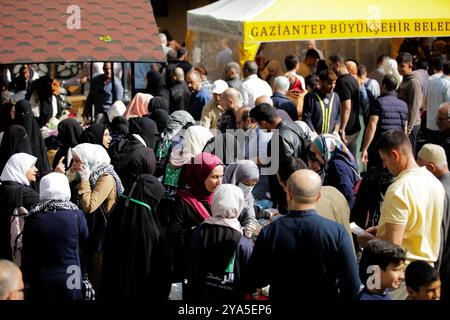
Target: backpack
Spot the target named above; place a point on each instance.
(16, 231)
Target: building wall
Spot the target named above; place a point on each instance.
(175, 21)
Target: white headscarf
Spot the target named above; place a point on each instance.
(54, 186)
(17, 167)
(92, 155)
(227, 204)
(194, 141)
(117, 110)
(391, 67)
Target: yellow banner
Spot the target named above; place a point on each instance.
(267, 31)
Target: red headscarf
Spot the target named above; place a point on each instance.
(195, 175)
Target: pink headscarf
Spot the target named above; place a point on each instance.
(196, 173)
(138, 106)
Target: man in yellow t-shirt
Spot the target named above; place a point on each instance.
(411, 214)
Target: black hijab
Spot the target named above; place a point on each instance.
(44, 90)
(135, 256)
(161, 118)
(158, 103)
(120, 126)
(5, 116)
(25, 118)
(69, 134)
(147, 129)
(130, 159)
(155, 82)
(94, 134)
(15, 140)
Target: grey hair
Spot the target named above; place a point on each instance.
(233, 66)
(281, 83)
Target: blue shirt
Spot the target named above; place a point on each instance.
(280, 101)
(304, 256)
(197, 102)
(102, 93)
(367, 295)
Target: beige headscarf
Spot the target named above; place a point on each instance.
(227, 204)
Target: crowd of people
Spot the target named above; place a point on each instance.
(234, 189)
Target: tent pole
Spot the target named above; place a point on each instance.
(133, 89)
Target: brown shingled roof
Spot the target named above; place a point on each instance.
(34, 31)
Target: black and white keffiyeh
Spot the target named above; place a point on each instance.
(102, 170)
(52, 206)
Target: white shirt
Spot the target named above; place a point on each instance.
(438, 92)
(373, 86)
(252, 88)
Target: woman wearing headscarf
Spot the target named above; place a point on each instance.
(219, 253)
(161, 118)
(51, 251)
(192, 206)
(16, 198)
(120, 128)
(98, 192)
(245, 175)
(145, 131)
(155, 83)
(130, 159)
(159, 103)
(22, 115)
(96, 134)
(136, 262)
(177, 121)
(194, 140)
(15, 140)
(138, 107)
(69, 134)
(333, 161)
(5, 115)
(117, 110)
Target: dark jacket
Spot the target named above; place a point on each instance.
(179, 96)
(341, 176)
(182, 218)
(304, 256)
(50, 253)
(130, 159)
(392, 113)
(280, 101)
(204, 282)
(12, 195)
(292, 142)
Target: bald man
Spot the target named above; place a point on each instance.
(11, 283)
(179, 92)
(303, 255)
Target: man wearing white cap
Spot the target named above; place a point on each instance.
(434, 159)
(213, 110)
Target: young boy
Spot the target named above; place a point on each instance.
(422, 281)
(381, 268)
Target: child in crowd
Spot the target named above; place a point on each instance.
(422, 281)
(381, 268)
